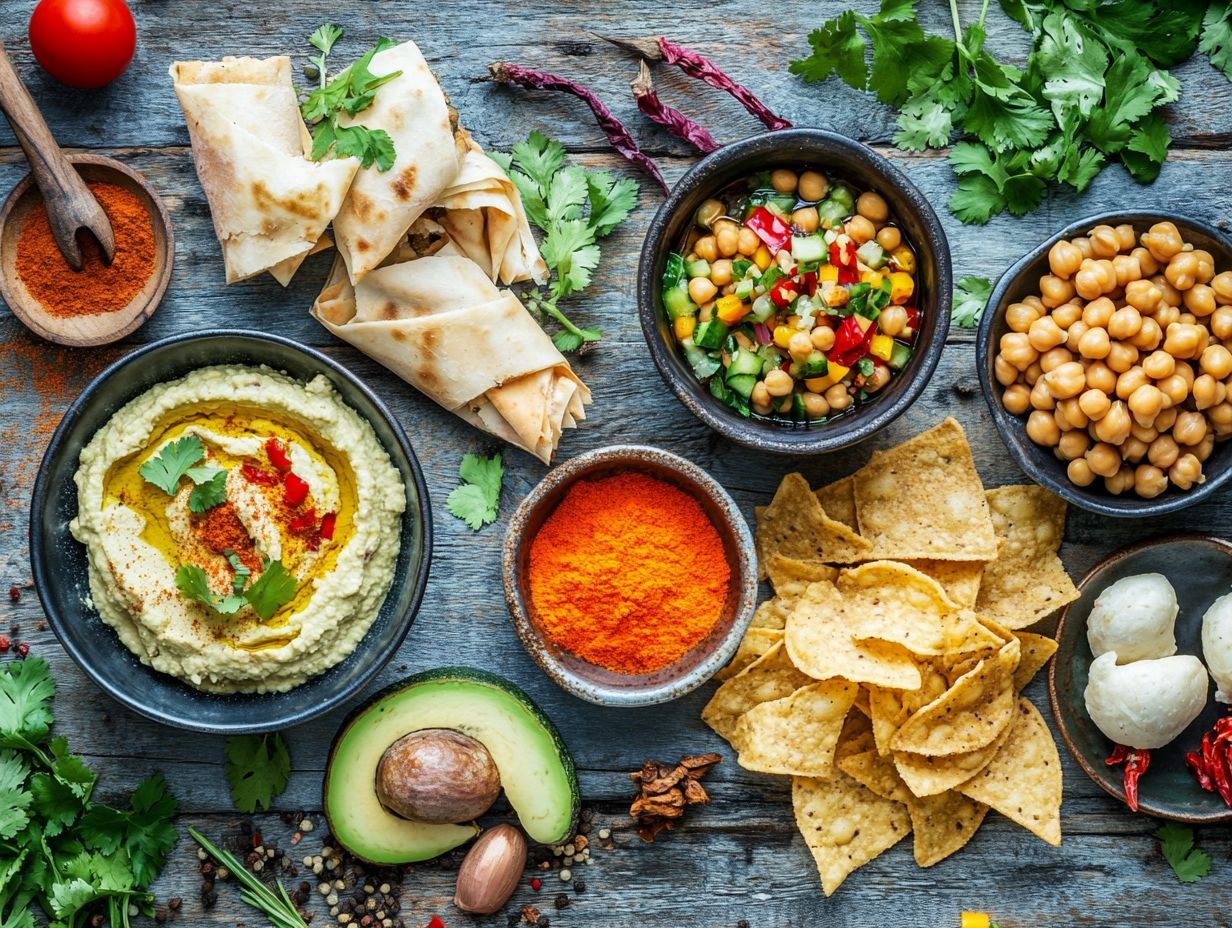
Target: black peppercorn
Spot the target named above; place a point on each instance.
(543, 922)
(743, 923)
(579, 886)
(562, 901)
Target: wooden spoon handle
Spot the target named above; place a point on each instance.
(70, 204)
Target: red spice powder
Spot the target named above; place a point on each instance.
(628, 573)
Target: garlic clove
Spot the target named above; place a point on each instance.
(490, 871)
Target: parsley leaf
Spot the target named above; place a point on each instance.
(476, 501)
(258, 767)
(970, 297)
(26, 690)
(192, 581)
(210, 489)
(272, 590)
(1176, 842)
(172, 463)
(837, 49)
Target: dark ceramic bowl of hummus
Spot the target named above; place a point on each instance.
(61, 562)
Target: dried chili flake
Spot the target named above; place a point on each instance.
(1136, 763)
(619, 137)
(670, 118)
(304, 523)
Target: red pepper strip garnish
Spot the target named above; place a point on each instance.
(276, 451)
(843, 257)
(304, 522)
(328, 523)
(850, 342)
(255, 475)
(769, 228)
(808, 281)
(294, 489)
(782, 293)
(674, 121)
(1136, 763)
(616, 133)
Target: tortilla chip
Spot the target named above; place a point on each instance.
(856, 736)
(1037, 650)
(1023, 782)
(969, 715)
(771, 614)
(877, 773)
(924, 499)
(960, 579)
(861, 702)
(889, 709)
(795, 526)
(844, 824)
(1027, 581)
(892, 602)
(795, 735)
(771, 676)
(790, 577)
(966, 633)
(820, 643)
(838, 499)
(943, 824)
(755, 643)
(929, 776)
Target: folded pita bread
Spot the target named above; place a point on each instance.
(381, 205)
(482, 212)
(441, 325)
(269, 202)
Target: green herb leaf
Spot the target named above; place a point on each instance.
(476, 501)
(370, 146)
(611, 200)
(272, 590)
(258, 768)
(192, 581)
(210, 489)
(970, 298)
(15, 799)
(172, 463)
(1176, 842)
(351, 91)
(1216, 39)
(242, 573)
(325, 36)
(145, 831)
(837, 49)
(26, 691)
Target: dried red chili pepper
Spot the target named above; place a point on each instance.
(1136, 763)
(617, 134)
(1211, 764)
(697, 66)
(670, 118)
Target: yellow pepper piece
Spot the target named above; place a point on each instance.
(730, 308)
(818, 384)
(827, 272)
(904, 257)
(863, 322)
(837, 372)
(684, 327)
(975, 920)
(783, 334)
(901, 287)
(872, 278)
(881, 346)
(762, 257)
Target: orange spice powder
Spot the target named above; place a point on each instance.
(628, 573)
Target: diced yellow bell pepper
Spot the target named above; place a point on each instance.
(834, 374)
(684, 327)
(762, 257)
(863, 322)
(783, 334)
(904, 257)
(881, 346)
(837, 372)
(872, 278)
(827, 272)
(975, 920)
(818, 384)
(731, 309)
(901, 287)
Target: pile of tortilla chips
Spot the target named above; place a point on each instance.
(884, 676)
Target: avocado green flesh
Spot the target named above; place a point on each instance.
(535, 768)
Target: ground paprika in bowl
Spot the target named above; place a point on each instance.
(630, 575)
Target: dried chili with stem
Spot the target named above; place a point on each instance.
(508, 73)
(1211, 764)
(670, 118)
(701, 68)
(1136, 762)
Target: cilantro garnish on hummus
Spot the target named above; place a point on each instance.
(173, 462)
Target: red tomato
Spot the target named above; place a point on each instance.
(84, 43)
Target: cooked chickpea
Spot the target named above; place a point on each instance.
(1066, 314)
(1142, 433)
(1054, 358)
(1121, 481)
(1073, 335)
(889, 238)
(1016, 348)
(1080, 473)
(800, 346)
(838, 397)
(1182, 270)
(1083, 244)
(1175, 387)
(1203, 451)
(1221, 322)
(1094, 403)
(893, 320)
(705, 248)
(1167, 315)
(747, 242)
(815, 406)
(1134, 449)
(1222, 285)
(1186, 472)
(1199, 300)
(1207, 392)
(1042, 428)
(813, 186)
(1182, 341)
(1149, 481)
(1097, 312)
(1017, 399)
(721, 272)
(1127, 269)
(1104, 459)
(1055, 290)
(1121, 357)
(860, 229)
(1206, 265)
(760, 396)
(779, 383)
(1146, 261)
(1143, 295)
(1170, 295)
(1035, 302)
(1045, 334)
(1216, 360)
(1018, 316)
(1166, 419)
(1064, 259)
(1065, 381)
(727, 238)
(1072, 413)
(1114, 427)
(1124, 323)
(1073, 445)
(783, 180)
(1095, 344)
(1158, 365)
(1104, 241)
(702, 290)
(1127, 238)
(1163, 240)
(1033, 373)
(879, 378)
(806, 219)
(1130, 381)
(872, 206)
(1149, 335)
(1101, 377)
(1089, 284)
(1163, 451)
(1146, 401)
(1190, 428)
(822, 338)
(1041, 397)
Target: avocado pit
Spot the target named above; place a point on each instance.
(438, 776)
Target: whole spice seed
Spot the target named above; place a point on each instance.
(697, 66)
(670, 118)
(619, 137)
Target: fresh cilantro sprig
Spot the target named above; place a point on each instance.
(1090, 93)
(970, 297)
(476, 500)
(210, 489)
(258, 768)
(351, 91)
(574, 207)
(60, 848)
(272, 590)
(173, 463)
(1176, 843)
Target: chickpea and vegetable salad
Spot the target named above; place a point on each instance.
(791, 297)
(1122, 363)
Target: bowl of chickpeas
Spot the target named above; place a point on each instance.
(794, 291)
(1106, 359)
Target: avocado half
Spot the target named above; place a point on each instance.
(536, 769)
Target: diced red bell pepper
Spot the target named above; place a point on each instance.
(276, 451)
(769, 228)
(808, 280)
(294, 489)
(304, 523)
(843, 257)
(1136, 763)
(328, 522)
(782, 293)
(913, 318)
(256, 475)
(851, 342)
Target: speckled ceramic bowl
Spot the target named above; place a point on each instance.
(848, 160)
(1199, 567)
(596, 684)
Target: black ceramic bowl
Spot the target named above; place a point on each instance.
(1199, 567)
(59, 561)
(1039, 463)
(865, 169)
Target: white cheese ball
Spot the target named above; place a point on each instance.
(1146, 704)
(1134, 617)
(1217, 645)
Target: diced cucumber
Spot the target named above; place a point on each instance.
(702, 363)
(698, 268)
(784, 203)
(900, 354)
(742, 384)
(832, 213)
(808, 247)
(815, 365)
(797, 406)
(842, 195)
(744, 362)
(677, 302)
(744, 289)
(770, 276)
(763, 309)
(710, 334)
(772, 360)
(740, 267)
(872, 254)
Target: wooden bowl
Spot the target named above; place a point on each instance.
(97, 328)
(1199, 567)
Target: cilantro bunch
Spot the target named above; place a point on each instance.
(574, 208)
(58, 847)
(1090, 93)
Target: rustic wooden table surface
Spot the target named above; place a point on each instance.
(740, 857)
